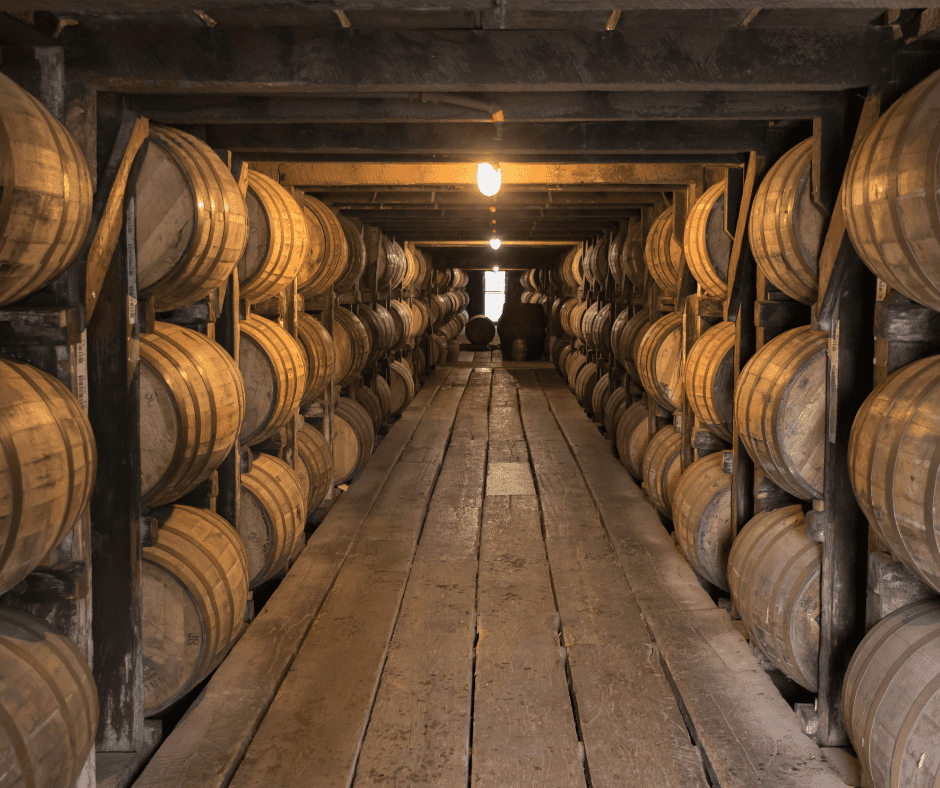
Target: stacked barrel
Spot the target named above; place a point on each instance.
(447, 312)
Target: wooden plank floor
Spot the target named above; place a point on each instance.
(492, 604)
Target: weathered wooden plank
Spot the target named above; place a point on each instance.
(748, 733)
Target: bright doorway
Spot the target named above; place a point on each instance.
(494, 293)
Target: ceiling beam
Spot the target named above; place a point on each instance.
(160, 59)
(505, 199)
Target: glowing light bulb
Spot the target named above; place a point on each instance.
(496, 269)
(495, 243)
(489, 179)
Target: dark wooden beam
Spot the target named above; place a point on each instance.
(159, 59)
(696, 160)
(379, 200)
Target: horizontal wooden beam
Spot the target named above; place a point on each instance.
(159, 59)
(699, 160)
(521, 107)
(391, 200)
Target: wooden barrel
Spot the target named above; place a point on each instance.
(191, 220)
(663, 252)
(659, 360)
(587, 325)
(662, 467)
(420, 319)
(313, 465)
(351, 343)
(402, 386)
(277, 239)
(891, 698)
(786, 227)
(632, 258)
(438, 348)
(419, 364)
(614, 409)
(774, 575)
(274, 368)
(626, 347)
(192, 407)
(573, 366)
(356, 259)
(327, 250)
(702, 515)
(392, 273)
(353, 440)
(272, 512)
(598, 333)
(889, 196)
(194, 589)
(633, 436)
(893, 468)
(709, 379)
(401, 319)
(384, 392)
(572, 313)
(47, 467)
(706, 242)
(317, 345)
(780, 407)
(558, 348)
(599, 396)
(49, 704)
(381, 330)
(585, 382)
(480, 330)
(45, 196)
(370, 401)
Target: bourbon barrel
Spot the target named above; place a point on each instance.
(599, 396)
(327, 250)
(709, 379)
(706, 242)
(663, 252)
(614, 409)
(381, 330)
(633, 437)
(402, 387)
(780, 407)
(194, 587)
(47, 467)
(192, 408)
(317, 345)
(353, 440)
(659, 360)
(351, 344)
(355, 259)
(314, 465)
(662, 467)
(559, 346)
(626, 344)
(420, 319)
(401, 319)
(774, 574)
(585, 382)
(480, 330)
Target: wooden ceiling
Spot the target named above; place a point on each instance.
(595, 109)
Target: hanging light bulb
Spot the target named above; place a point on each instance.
(496, 269)
(489, 179)
(495, 243)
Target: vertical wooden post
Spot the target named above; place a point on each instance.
(227, 335)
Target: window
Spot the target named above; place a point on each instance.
(494, 293)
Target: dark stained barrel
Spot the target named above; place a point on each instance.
(480, 330)
(522, 321)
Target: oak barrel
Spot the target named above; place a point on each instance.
(381, 330)
(355, 260)
(662, 467)
(709, 379)
(893, 466)
(573, 365)
(314, 464)
(49, 705)
(701, 512)
(317, 345)
(626, 343)
(273, 509)
(191, 220)
(45, 195)
(585, 383)
(632, 254)
(277, 239)
(370, 401)
(633, 436)
(327, 250)
(353, 440)
(774, 573)
(780, 407)
(420, 319)
(786, 227)
(192, 407)
(559, 347)
(48, 461)
(890, 199)
(659, 360)
(614, 409)
(274, 368)
(891, 698)
(401, 320)
(706, 242)
(351, 344)
(194, 588)
(599, 397)
(402, 386)
(480, 330)
(663, 252)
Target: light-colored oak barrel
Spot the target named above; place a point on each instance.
(402, 386)
(391, 264)
(48, 461)
(599, 396)
(370, 401)
(774, 574)
(351, 343)
(313, 465)
(568, 312)
(662, 467)
(437, 310)
(560, 345)
(890, 200)
(614, 409)
(353, 440)
(706, 242)
(274, 368)
(585, 382)
(597, 330)
(272, 512)
(659, 360)
(401, 319)
(45, 195)
(327, 250)
(780, 407)
(709, 379)
(626, 344)
(701, 512)
(192, 407)
(566, 353)
(893, 469)
(384, 392)
(356, 259)
(633, 436)
(420, 319)
(587, 325)
(480, 330)
(277, 239)
(632, 255)
(381, 330)
(614, 253)
(663, 252)
(573, 366)
(191, 220)
(49, 705)
(891, 698)
(317, 345)
(194, 588)
(786, 227)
